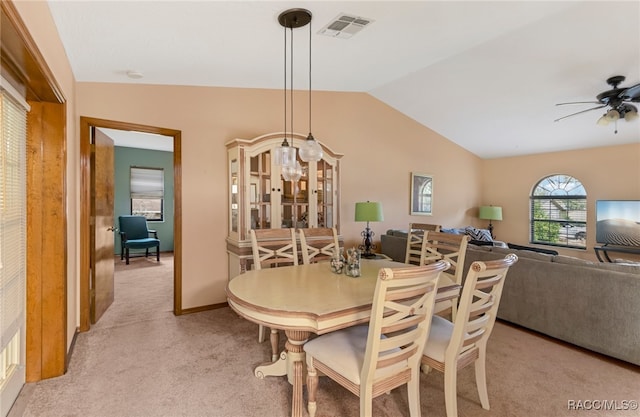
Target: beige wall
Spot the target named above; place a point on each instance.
(39, 22)
(607, 173)
(381, 148)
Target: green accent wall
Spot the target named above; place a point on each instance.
(124, 159)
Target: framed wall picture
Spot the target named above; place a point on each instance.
(421, 194)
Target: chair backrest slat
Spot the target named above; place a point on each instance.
(408, 293)
(397, 357)
(414, 241)
(318, 243)
(399, 325)
(478, 305)
(445, 246)
(273, 247)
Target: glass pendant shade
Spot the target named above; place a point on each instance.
(310, 150)
(628, 116)
(603, 121)
(292, 172)
(284, 155)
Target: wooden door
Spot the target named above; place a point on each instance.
(102, 225)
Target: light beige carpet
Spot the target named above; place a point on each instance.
(141, 360)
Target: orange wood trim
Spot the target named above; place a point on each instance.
(177, 223)
(34, 339)
(46, 242)
(54, 241)
(23, 61)
(46, 303)
(204, 308)
(85, 227)
(86, 123)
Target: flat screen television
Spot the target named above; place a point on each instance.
(618, 222)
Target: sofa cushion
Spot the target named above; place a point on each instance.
(524, 254)
(570, 260)
(633, 268)
(483, 247)
(620, 267)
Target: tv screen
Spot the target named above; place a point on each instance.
(618, 222)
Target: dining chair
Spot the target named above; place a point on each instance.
(272, 248)
(372, 360)
(134, 234)
(450, 247)
(414, 241)
(318, 243)
(452, 346)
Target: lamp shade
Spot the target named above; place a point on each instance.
(490, 213)
(369, 212)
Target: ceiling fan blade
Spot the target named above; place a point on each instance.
(578, 102)
(583, 111)
(631, 94)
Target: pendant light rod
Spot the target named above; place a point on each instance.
(310, 80)
(291, 85)
(285, 143)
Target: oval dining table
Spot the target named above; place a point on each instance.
(305, 299)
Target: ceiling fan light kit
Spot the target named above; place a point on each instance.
(617, 99)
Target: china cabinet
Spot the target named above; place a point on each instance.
(260, 198)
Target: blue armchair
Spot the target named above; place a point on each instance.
(134, 234)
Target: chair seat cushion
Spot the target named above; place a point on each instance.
(142, 243)
(439, 337)
(344, 350)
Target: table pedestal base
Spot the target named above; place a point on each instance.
(276, 368)
(291, 363)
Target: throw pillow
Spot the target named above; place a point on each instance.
(478, 234)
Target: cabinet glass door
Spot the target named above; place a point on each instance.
(325, 194)
(233, 221)
(295, 200)
(260, 191)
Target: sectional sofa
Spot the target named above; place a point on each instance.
(589, 304)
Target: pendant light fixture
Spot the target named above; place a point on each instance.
(285, 155)
(310, 150)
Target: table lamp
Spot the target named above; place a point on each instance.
(490, 213)
(368, 212)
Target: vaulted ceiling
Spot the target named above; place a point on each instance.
(484, 74)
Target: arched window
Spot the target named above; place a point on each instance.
(559, 212)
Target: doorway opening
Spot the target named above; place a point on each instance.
(88, 129)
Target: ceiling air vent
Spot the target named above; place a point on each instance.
(345, 26)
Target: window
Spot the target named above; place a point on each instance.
(147, 193)
(13, 214)
(559, 212)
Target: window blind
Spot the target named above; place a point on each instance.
(12, 214)
(147, 182)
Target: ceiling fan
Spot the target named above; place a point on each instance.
(616, 99)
